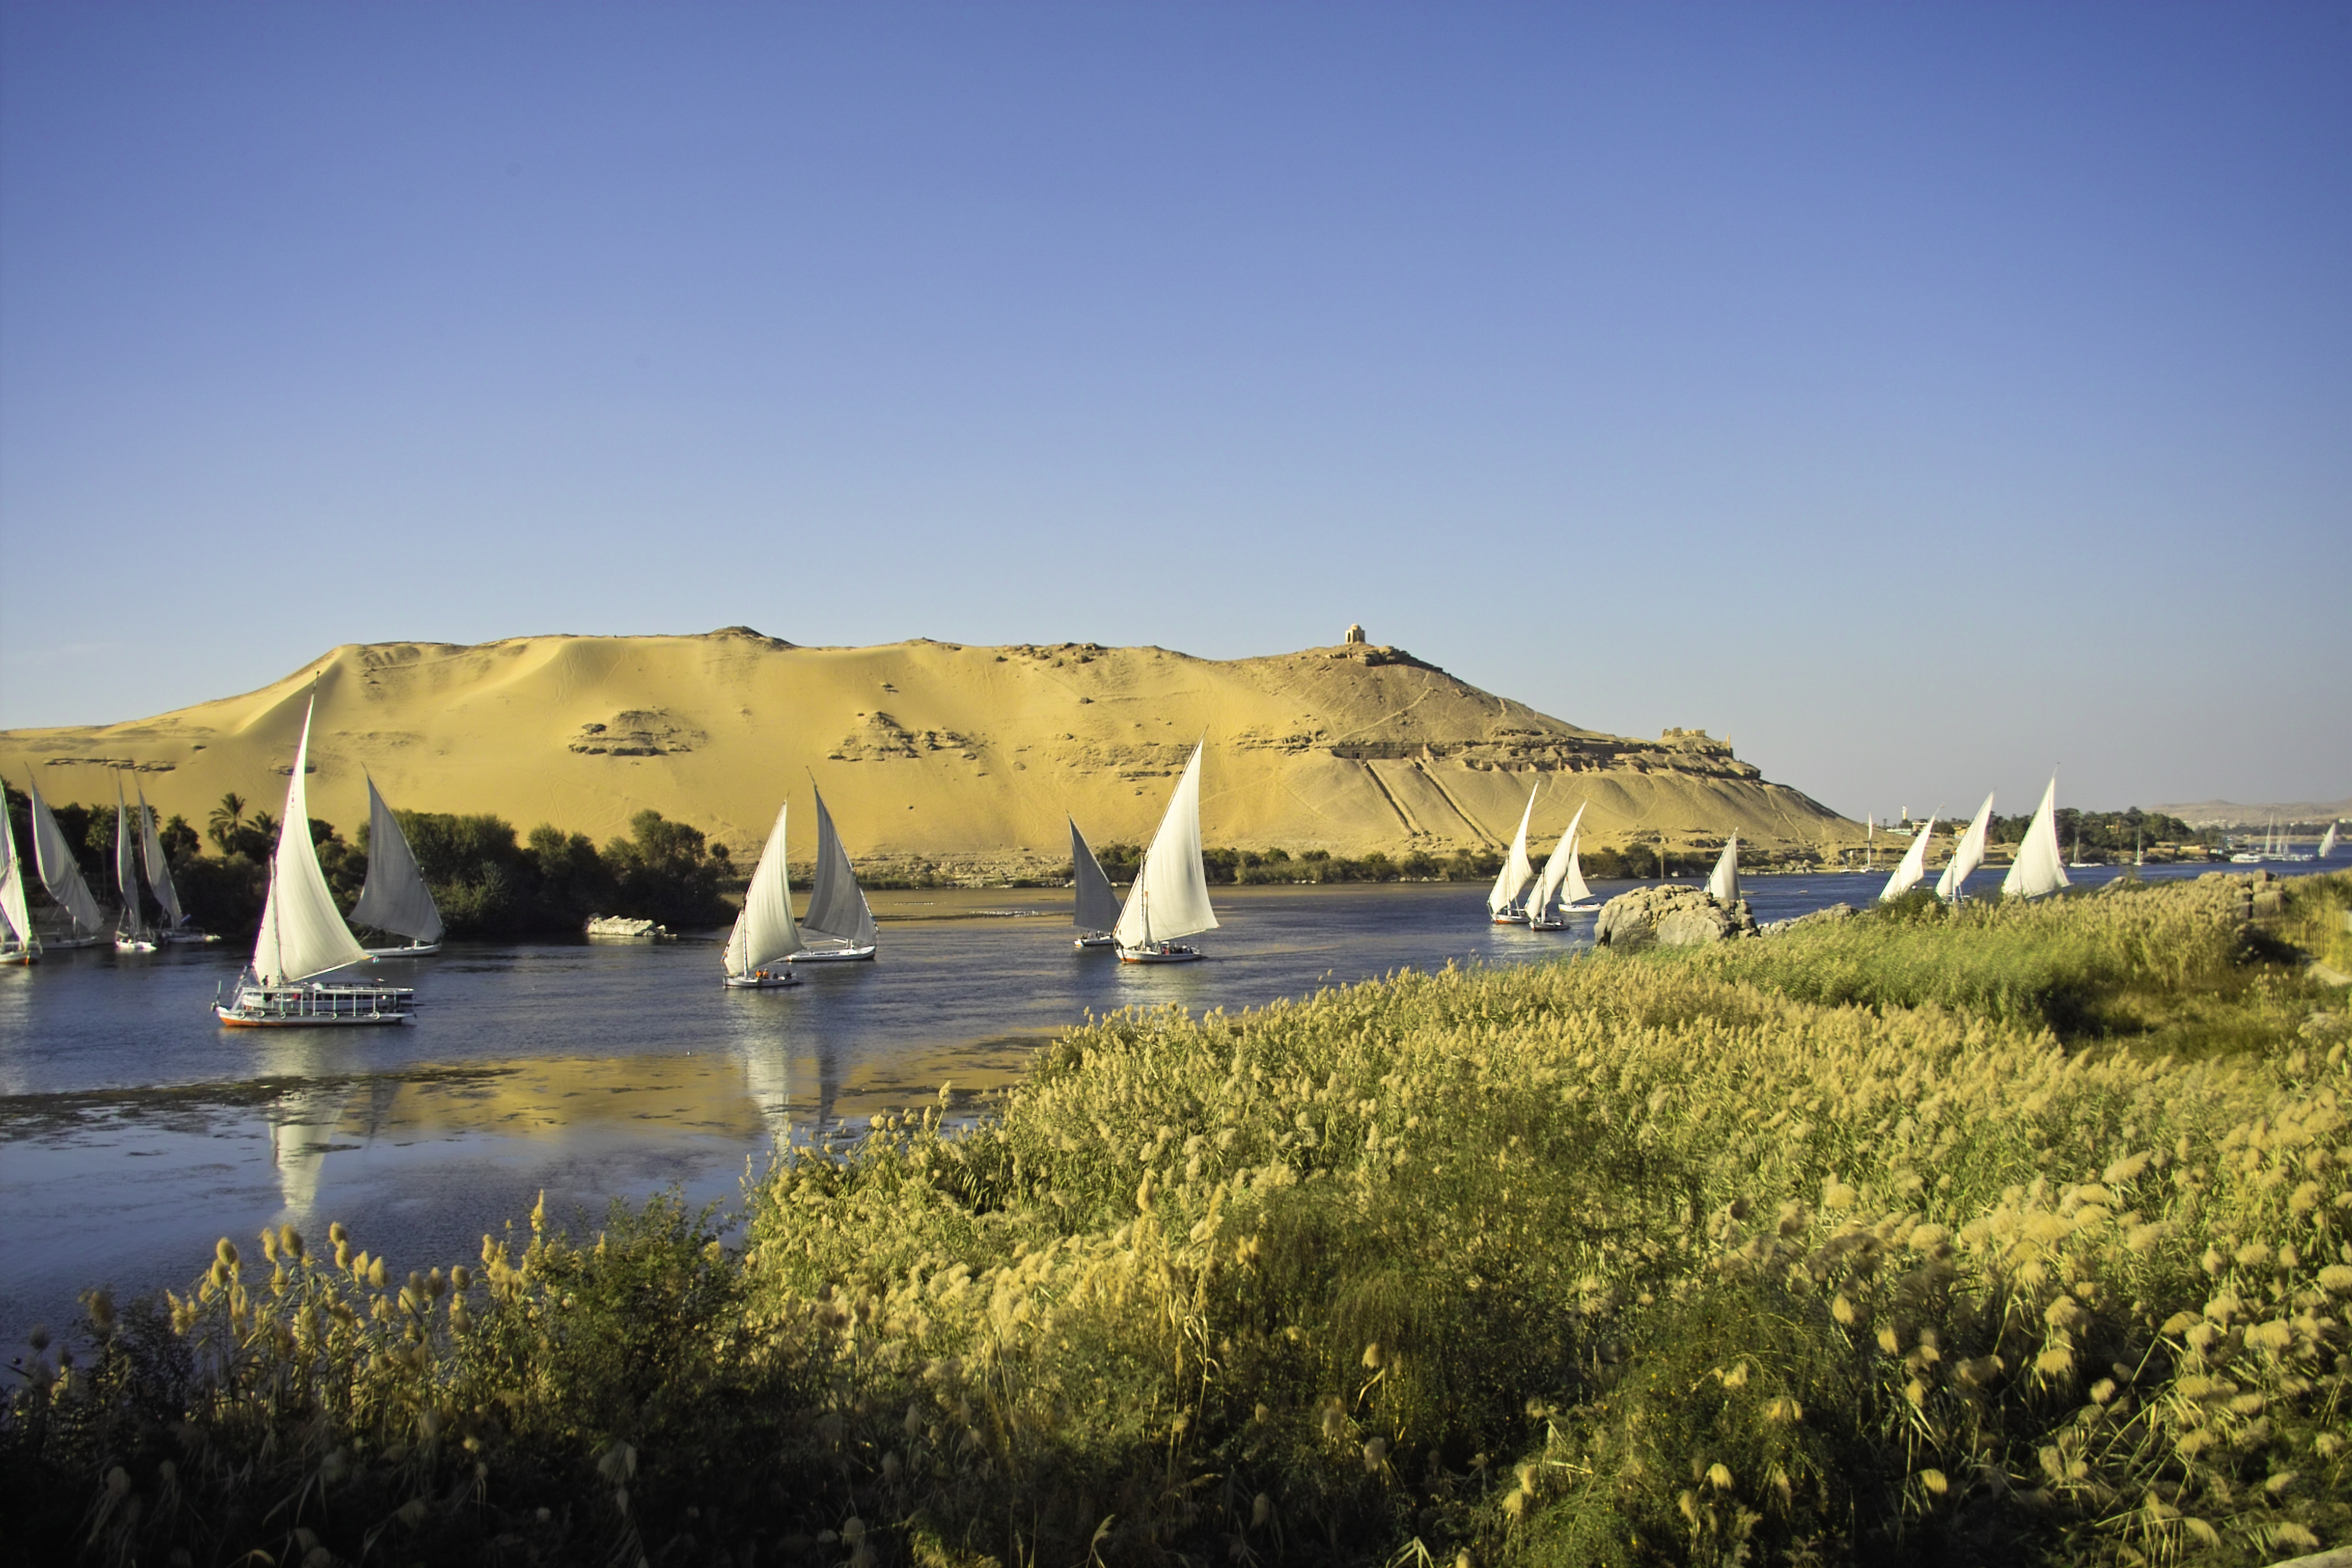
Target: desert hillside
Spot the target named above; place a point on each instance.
(927, 751)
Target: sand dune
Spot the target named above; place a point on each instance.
(927, 753)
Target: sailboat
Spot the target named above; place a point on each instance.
(2077, 863)
(1723, 882)
(61, 875)
(1967, 855)
(838, 913)
(760, 950)
(1912, 867)
(1560, 891)
(1170, 896)
(394, 897)
(2327, 842)
(23, 945)
(175, 927)
(1511, 882)
(131, 933)
(303, 936)
(2038, 868)
(1097, 906)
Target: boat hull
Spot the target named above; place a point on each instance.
(67, 943)
(835, 955)
(1163, 952)
(188, 938)
(762, 980)
(316, 1006)
(1103, 940)
(133, 944)
(413, 950)
(1511, 919)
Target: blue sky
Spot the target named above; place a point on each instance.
(1924, 397)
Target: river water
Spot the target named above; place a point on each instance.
(135, 1130)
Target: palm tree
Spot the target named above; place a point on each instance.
(266, 826)
(227, 819)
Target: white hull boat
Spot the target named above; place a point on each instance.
(1505, 900)
(1162, 952)
(303, 937)
(1169, 899)
(764, 980)
(1095, 906)
(1561, 892)
(760, 948)
(2038, 868)
(313, 1006)
(394, 897)
(839, 925)
(128, 943)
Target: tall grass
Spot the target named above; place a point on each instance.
(1633, 1259)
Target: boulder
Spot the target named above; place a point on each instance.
(1819, 917)
(1668, 917)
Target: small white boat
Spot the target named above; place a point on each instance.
(1560, 891)
(176, 929)
(131, 933)
(24, 944)
(838, 916)
(1169, 899)
(1511, 883)
(1967, 855)
(61, 875)
(1723, 882)
(394, 897)
(1097, 906)
(303, 937)
(1912, 867)
(2038, 868)
(760, 948)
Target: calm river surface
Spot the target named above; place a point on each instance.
(135, 1130)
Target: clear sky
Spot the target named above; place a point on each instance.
(1922, 395)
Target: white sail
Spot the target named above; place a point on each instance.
(1097, 905)
(2327, 842)
(60, 872)
(394, 897)
(764, 932)
(1967, 855)
(1559, 871)
(838, 906)
(159, 866)
(126, 868)
(1511, 882)
(1170, 896)
(1723, 882)
(1914, 865)
(2038, 868)
(19, 919)
(302, 932)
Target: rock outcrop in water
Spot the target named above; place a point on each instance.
(1669, 917)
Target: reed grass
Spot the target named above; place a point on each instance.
(1809, 1252)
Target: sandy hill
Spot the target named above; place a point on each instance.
(966, 757)
(2231, 814)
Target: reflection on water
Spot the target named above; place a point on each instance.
(135, 1130)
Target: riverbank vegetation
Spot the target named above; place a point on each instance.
(1906, 1237)
(486, 880)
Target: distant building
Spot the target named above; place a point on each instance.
(1355, 634)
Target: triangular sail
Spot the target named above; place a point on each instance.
(19, 919)
(1558, 872)
(2327, 842)
(159, 866)
(1914, 865)
(1967, 855)
(2038, 868)
(838, 906)
(394, 897)
(1170, 896)
(60, 872)
(764, 932)
(126, 869)
(1723, 882)
(302, 932)
(1097, 905)
(1511, 882)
